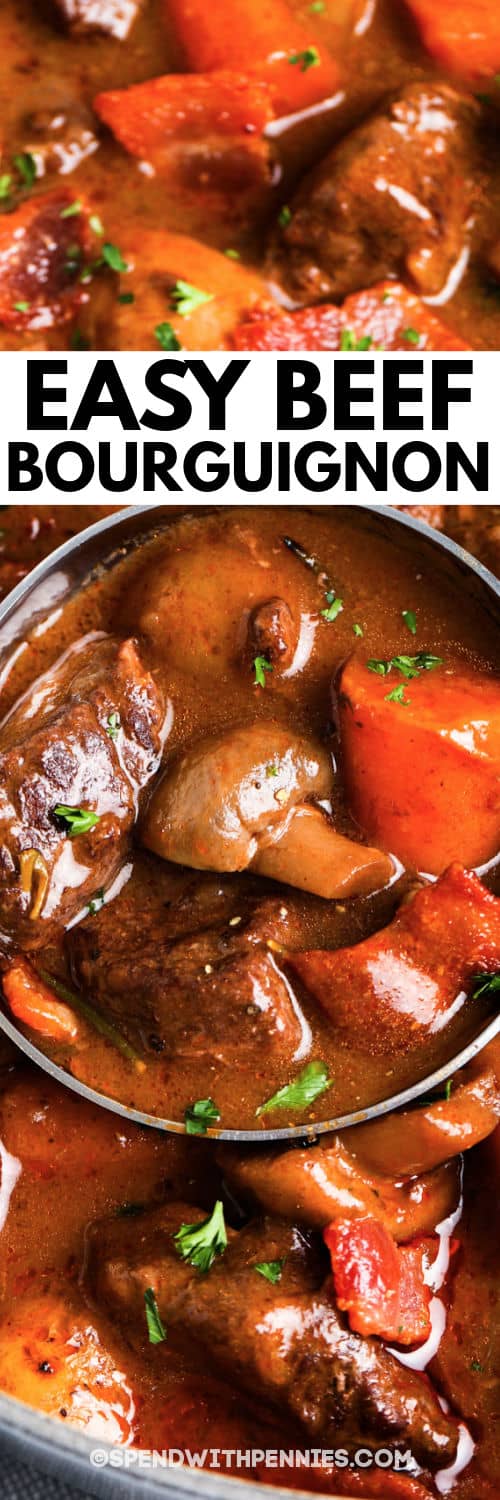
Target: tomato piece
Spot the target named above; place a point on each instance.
(378, 1283)
(386, 316)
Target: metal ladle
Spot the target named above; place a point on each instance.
(95, 551)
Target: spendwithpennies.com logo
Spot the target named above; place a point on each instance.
(252, 1458)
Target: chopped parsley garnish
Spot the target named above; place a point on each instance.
(167, 337)
(484, 985)
(126, 298)
(476, 1366)
(408, 666)
(113, 257)
(26, 166)
(285, 216)
(272, 769)
(96, 225)
(5, 185)
(232, 254)
(77, 819)
(334, 607)
(200, 1115)
(349, 344)
(309, 1084)
(78, 341)
(156, 1331)
(22, 307)
(411, 335)
(357, 630)
(113, 725)
(309, 58)
(261, 665)
(317, 8)
(448, 1088)
(271, 1270)
(72, 210)
(96, 902)
(187, 298)
(201, 1243)
(410, 620)
(398, 695)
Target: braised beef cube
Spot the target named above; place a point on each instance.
(196, 974)
(396, 196)
(86, 739)
(285, 1342)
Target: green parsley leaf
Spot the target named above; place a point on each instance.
(96, 225)
(26, 166)
(382, 668)
(398, 695)
(271, 1270)
(349, 344)
(96, 902)
(309, 1084)
(72, 210)
(410, 620)
(5, 185)
(411, 335)
(22, 307)
(232, 254)
(272, 769)
(285, 216)
(357, 630)
(126, 298)
(187, 298)
(156, 1331)
(166, 336)
(261, 665)
(408, 666)
(113, 725)
(334, 607)
(476, 1366)
(317, 8)
(309, 58)
(448, 1088)
(113, 257)
(78, 341)
(77, 819)
(200, 1115)
(201, 1243)
(484, 985)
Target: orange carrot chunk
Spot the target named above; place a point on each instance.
(405, 982)
(422, 774)
(147, 117)
(33, 1003)
(264, 39)
(379, 1284)
(462, 35)
(386, 316)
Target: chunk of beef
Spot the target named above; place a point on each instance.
(286, 1343)
(321, 1182)
(407, 981)
(112, 18)
(196, 973)
(41, 257)
(396, 197)
(87, 737)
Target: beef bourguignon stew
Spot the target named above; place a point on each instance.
(262, 175)
(249, 819)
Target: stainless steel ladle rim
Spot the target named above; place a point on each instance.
(408, 1096)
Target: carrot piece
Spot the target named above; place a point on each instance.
(378, 1283)
(422, 776)
(386, 316)
(41, 256)
(32, 1002)
(264, 39)
(147, 117)
(401, 985)
(463, 35)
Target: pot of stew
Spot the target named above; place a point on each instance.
(249, 825)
